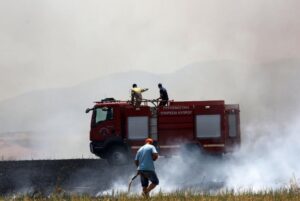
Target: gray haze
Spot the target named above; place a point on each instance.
(52, 123)
(57, 57)
(46, 44)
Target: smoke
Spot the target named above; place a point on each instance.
(268, 156)
(267, 160)
(154, 37)
(101, 38)
(56, 126)
(52, 124)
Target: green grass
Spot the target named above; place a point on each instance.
(291, 194)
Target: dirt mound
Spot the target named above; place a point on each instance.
(47, 176)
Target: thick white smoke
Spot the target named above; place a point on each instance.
(269, 115)
(271, 161)
(267, 159)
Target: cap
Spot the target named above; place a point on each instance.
(149, 140)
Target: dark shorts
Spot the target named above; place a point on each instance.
(163, 102)
(146, 176)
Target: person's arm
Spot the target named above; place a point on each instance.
(160, 95)
(132, 97)
(146, 89)
(154, 153)
(136, 160)
(154, 156)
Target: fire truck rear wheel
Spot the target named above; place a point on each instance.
(117, 155)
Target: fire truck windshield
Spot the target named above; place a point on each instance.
(103, 114)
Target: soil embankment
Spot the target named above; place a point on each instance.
(47, 176)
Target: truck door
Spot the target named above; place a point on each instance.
(175, 128)
(210, 127)
(233, 137)
(137, 126)
(105, 123)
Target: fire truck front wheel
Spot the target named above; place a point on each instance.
(117, 155)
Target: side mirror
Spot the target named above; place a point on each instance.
(88, 110)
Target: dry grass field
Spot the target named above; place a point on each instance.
(280, 195)
(56, 180)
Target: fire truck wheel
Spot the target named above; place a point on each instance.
(117, 155)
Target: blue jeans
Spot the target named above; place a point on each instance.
(146, 176)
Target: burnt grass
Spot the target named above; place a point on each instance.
(49, 176)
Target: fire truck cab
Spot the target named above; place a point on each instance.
(118, 129)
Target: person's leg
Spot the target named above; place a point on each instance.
(145, 192)
(163, 103)
(154, 181)
(150, 188)
(139, 99)
(145, 183)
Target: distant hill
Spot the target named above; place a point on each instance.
(56, 125)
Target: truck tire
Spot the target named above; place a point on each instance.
(117, 155)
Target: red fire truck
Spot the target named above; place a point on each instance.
(118, 129)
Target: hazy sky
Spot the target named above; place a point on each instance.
(55, 43)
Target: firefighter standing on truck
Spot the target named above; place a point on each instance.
(145, 166)
(164, 98)
(136, 95)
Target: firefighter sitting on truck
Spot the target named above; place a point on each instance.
(136, 95)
